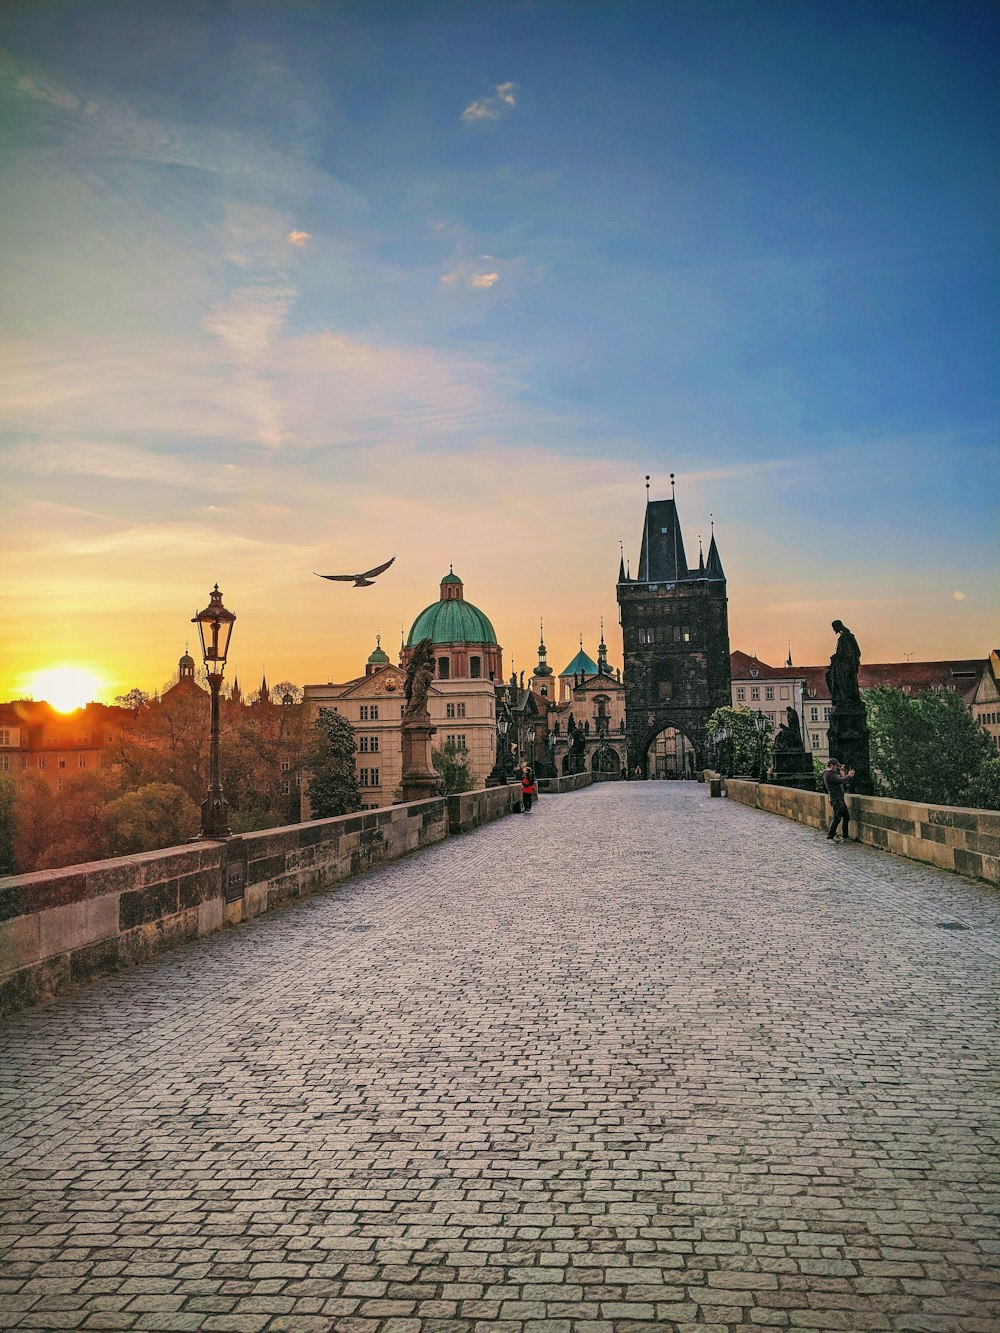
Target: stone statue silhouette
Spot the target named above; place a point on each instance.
(842, 673)
(789, 735)
(419, 674)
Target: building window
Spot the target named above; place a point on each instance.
(769, 692)
(285, 765)
(373, 744)
(458, 741)
(61, 761)
(755, 693)
(677, 634)
(4, 737)
(368, 777)
(59, 783)
(826, 715)
(4, 762)
(475, 667)
(741, 694)
(364, 712)
(815, 741)
(647, 635)
(83, 761)
(460, 710)
(813, 714)
(363, 744)
(286, 788)
(449, 710)
(41, 761)
(373, 712)
(687, 633)
(444, 668)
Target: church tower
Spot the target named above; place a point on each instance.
(675, 637)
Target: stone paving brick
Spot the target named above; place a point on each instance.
(643, 1061)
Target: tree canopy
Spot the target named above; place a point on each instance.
(333, 782)
(745, 744)
(453, 765)
(926, 747)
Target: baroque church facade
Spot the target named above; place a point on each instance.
(675, 639)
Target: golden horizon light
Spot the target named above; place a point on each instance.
(66, 686)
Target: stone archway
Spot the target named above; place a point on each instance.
(670, 753)
(605, 759)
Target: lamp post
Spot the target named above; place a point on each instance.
(530, 736)
(760, 725)
(721, 750)
(215, 627)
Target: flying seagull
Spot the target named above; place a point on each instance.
(364, 580)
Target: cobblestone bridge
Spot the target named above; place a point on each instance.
(639, 1060)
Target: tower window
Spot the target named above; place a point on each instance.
(475, 667)
(443, 668)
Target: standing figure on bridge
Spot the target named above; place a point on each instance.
(528, 789)
(835, 780)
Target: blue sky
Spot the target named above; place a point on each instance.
(292, 287)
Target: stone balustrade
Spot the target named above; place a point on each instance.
(950, 837)
(58, 927)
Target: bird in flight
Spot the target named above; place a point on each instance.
(364, 580)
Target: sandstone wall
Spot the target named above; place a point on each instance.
(58, 927)
(952, 838)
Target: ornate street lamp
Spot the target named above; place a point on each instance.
(215, 626)
(498, 774)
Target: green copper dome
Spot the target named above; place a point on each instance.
(378, 657)
(451, 622)
(581, 663)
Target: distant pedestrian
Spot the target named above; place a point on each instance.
(836, 779)
(528, 790)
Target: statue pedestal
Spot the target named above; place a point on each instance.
(420, 779)
(848, 741)
(793, 768)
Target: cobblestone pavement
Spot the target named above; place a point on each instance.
(638, 1060)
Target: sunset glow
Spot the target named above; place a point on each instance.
(66, 688)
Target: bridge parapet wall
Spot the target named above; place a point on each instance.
(567, 782)
(949, 837)
(58, 927)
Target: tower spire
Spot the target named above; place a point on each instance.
(621, 563)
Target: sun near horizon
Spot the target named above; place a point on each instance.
(66, 687)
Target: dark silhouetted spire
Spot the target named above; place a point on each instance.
(713, 565)
(662, 558)
(621, 565)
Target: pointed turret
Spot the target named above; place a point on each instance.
(621, 564)
(236, 694)
(543, 668)
(662, 558)
(701, 559)
(264, 693)
(602, 654)
(713, 566)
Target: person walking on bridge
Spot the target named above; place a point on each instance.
(835, 780)
(528, 789)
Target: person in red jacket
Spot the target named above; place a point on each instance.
(528, 790)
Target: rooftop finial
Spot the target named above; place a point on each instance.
(711, 519)
(647, 487)
(451, 567)
(672, 486)
(378, 640)
(581, 639)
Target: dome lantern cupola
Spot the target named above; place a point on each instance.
(378, 658)
(452, 587)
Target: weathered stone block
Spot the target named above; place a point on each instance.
(969, 863)
(11, 902)
(932, 832)
(64, 929)
(155, 867)
(32, 985)
(266, 868)
(199, 886)
(52, 888)
(20, 942)
(144, 905)
(210, 915)
(95, 960)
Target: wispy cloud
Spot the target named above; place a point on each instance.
(299, 238)
(495, 107)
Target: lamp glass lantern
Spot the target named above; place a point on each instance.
(503, 725)
(215, 628)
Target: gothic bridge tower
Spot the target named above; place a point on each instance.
(675, 636)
